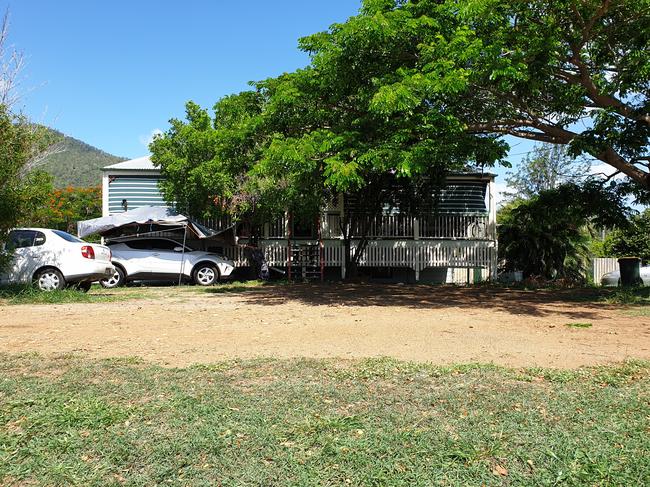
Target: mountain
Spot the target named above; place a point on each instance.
(75, 163)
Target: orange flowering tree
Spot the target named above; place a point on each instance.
(65, 207)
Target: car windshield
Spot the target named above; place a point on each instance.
(67, 236)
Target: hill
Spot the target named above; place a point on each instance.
(76, 163)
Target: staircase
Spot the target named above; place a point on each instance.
(306, 262)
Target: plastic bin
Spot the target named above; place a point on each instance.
(630, 271)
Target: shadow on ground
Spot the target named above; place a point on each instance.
(574, 303)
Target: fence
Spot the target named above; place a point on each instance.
(444, 226)
(601, 266)
(414, 254)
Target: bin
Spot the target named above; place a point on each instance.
(630, 271)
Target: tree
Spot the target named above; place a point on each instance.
(568, 72)
(206, 162)
(63, 208)
(21, 190)
(407, 91)
(547, 234)
(21, 193)
(11, 66)
(309, 135)
(632, 240)
(547, 167)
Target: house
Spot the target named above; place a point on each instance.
(454, 244)
(129, 185)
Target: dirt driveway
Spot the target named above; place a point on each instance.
(178, 327)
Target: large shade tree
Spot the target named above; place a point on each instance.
(407, 91)
(296, 141)
(570, 72)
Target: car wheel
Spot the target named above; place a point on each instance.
(49, 280)
(206, 275)
(116, 280)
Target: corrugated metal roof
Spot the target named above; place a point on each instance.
(139, 164)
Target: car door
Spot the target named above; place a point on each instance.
(164, 260)
(23, 245)
(135, 255)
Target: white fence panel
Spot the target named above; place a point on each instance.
(415, 254)
(601, 266)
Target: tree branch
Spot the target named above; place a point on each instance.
(558, 135)
(584, 77)
(12, 62)
(611, 157)
(40, 158)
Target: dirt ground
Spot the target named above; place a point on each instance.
(179, 327)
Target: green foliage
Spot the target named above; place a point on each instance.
(203, 160)
(21, 192)
(639, 295)
(547, 235)
(632, 240)
(63, 208)
(26, 294)
(300, 139)
(579, 325)
(73, 421)
(73, 162)
(407, 91)
(537, 70)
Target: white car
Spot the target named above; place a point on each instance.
(614, 278)
(53, 259)
(163, 259)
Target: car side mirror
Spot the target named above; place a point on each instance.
(178, 249)
(39, 241)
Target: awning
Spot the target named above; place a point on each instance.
(146, 215)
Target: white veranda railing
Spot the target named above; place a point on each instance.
(415, 254)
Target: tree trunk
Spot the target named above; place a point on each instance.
(350, 272)
(352, 261)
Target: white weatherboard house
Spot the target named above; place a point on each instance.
(455, 244)
(129, 185)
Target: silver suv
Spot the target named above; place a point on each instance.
(164, 259)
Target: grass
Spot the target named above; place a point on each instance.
(637, 296)
(24, 294)
(73, 421)
(235, 286)
(579, 325)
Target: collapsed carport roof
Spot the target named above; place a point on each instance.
(146, 215)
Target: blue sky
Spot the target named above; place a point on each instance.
(112, 72)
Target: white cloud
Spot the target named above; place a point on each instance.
(604, 170)
(147, 139)
(499, 193)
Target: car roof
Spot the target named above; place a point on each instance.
(126, 240)
(133, 239)
(38, 229)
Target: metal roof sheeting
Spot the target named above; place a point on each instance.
(139, 164)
